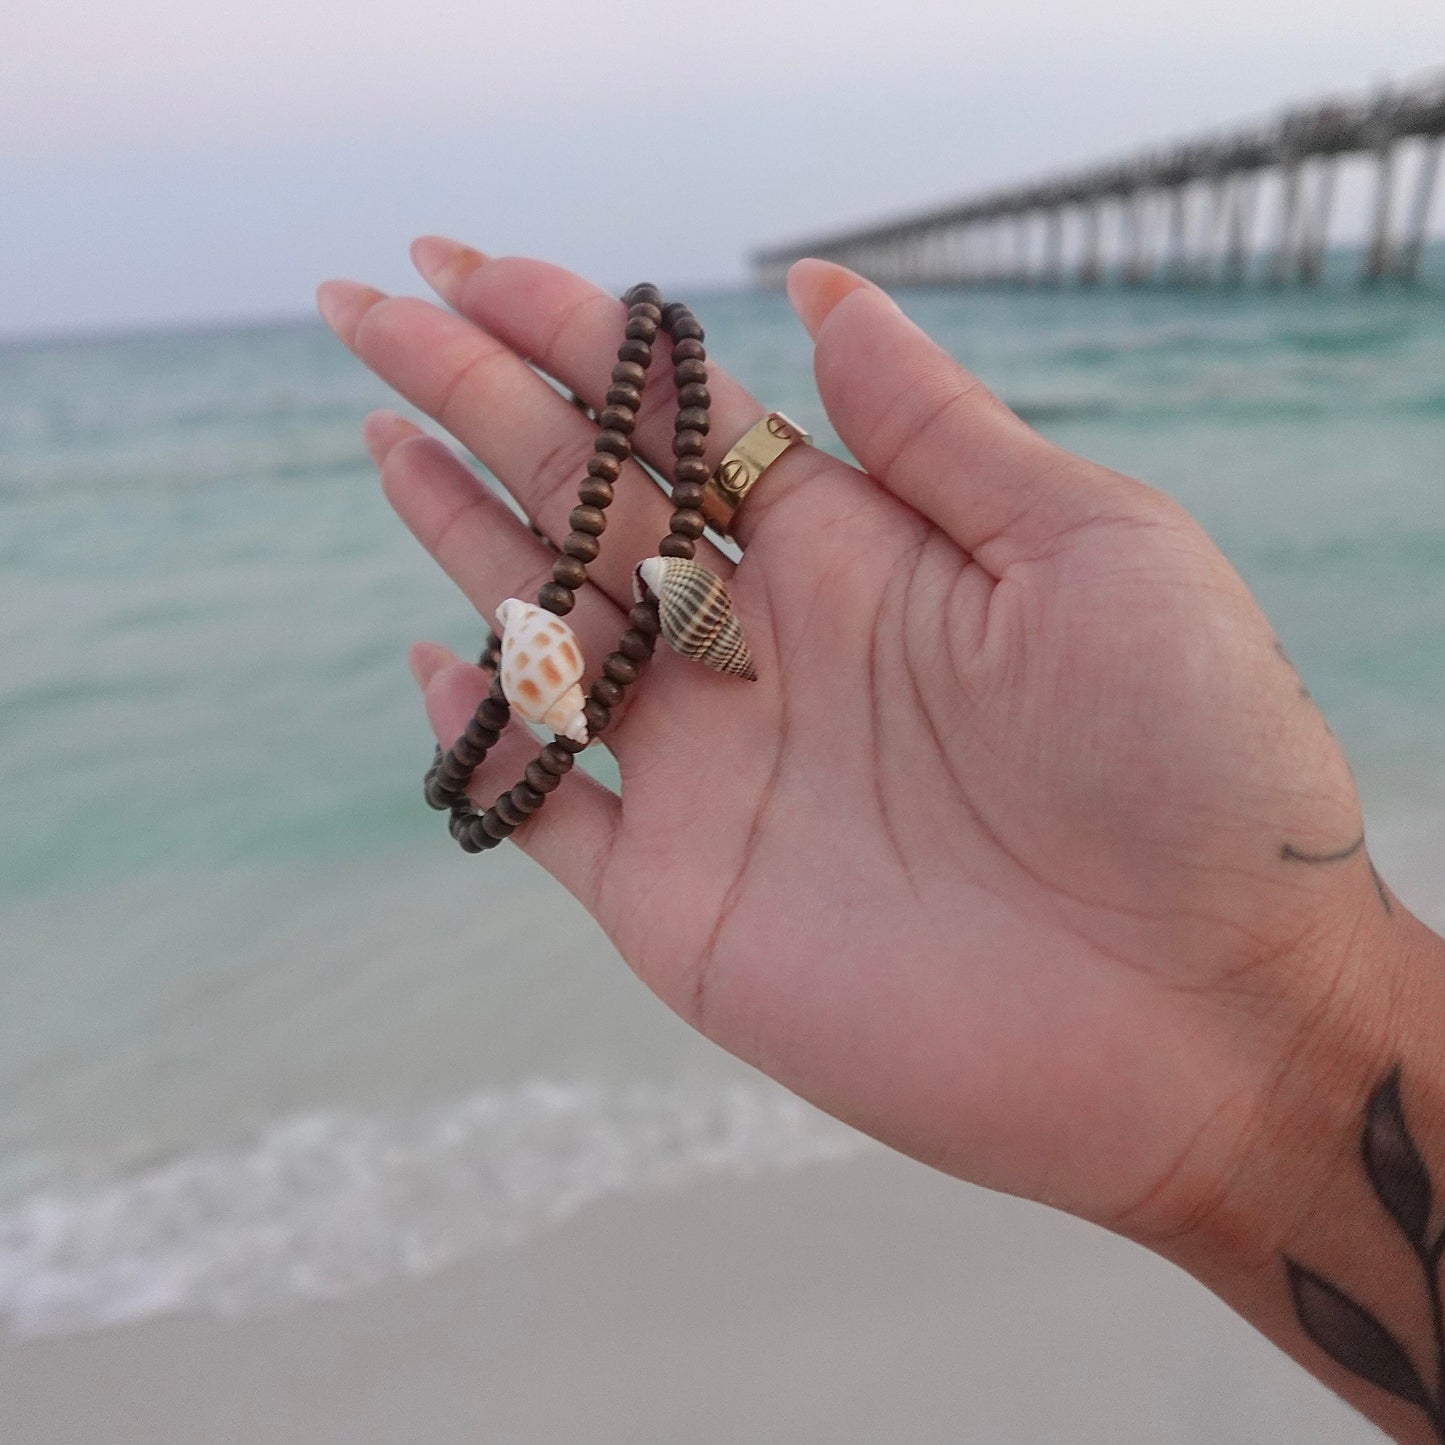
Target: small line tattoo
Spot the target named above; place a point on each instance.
(1289, 851)
(1343, 1328)
(1289, 663)
(1381, 889)
(1291, 854)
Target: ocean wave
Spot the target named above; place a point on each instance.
(320, 1205)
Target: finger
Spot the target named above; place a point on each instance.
(568, 326)
(532, 438)
(572, 835)
(480, 545)
(931, 432)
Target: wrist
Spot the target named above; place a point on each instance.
(1320, 1218)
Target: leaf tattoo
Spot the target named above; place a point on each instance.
(1394, 1164)
(1351, 1336)
(1347, 1332)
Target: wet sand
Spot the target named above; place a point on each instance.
(872, 1301)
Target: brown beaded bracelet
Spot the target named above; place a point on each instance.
(697, 621)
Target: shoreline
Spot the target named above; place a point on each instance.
(868, 1301)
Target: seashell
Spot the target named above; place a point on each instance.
(541, 668)
(696, 613)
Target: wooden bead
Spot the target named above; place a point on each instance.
(679, 322)
(687, 494)
(587, 519)
(606, 692)
(569, 572)
(582, 547)
(688, 444)
(687, 523)
(498, 694)
(594, 492)
(636, 645)
(597, 717)
(690, 373)
(526, 797)
(631, 373)
(556, 759)
(643, 294)
(618, 418)
(539, 778)
(693, 418)
(603, 467)
(508, 811)
(688, 349)
(480, 734)
(641, 327)
(614, 442)
(556, 598)
(493, 714)
(467, 837)
(484, 840)
(643, 617)
(438, 795)
(495, 826)
(621, 394)
(466, 754)
(675, 546)
(568, 745)
(493, 642)
(632, 350)
(620, 668)
(691, 469)
(694, 393)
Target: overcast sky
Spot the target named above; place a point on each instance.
(172, 161)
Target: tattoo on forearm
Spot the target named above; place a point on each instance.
(1347, 1332)
(1291, 854)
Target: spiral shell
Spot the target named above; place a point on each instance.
(696, 613)
(541, 668)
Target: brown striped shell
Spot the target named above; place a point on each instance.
(696, 613)
(541, 668)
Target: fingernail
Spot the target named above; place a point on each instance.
(342, 304)
(444, 263)
(383, 429)
(426, 659)
(816, 287)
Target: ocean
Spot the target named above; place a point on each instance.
(265, 1034)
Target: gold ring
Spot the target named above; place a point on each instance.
(739, 472)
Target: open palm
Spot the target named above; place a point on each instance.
(1001, 858)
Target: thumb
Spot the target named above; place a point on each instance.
(930, 431)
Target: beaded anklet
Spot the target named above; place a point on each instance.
(695, 617)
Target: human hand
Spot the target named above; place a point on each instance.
(1002, 858)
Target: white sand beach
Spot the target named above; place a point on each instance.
(846, 1304)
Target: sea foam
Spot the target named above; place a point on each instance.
(323, 1204)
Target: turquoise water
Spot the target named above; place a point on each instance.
(231, 925)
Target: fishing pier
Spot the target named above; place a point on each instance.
(1250, 203)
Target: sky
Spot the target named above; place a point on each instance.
(176, 162)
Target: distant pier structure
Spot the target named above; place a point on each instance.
(1254, 202)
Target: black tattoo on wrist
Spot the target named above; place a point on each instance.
(1291, 854)
(1347, 1332)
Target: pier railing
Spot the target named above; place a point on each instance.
(1185, 213)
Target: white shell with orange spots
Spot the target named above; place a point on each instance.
(542, 668)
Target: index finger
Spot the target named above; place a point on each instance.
(562, 324)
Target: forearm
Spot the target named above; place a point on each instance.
(1327, 1226)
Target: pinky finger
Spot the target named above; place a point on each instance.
(573, 834)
